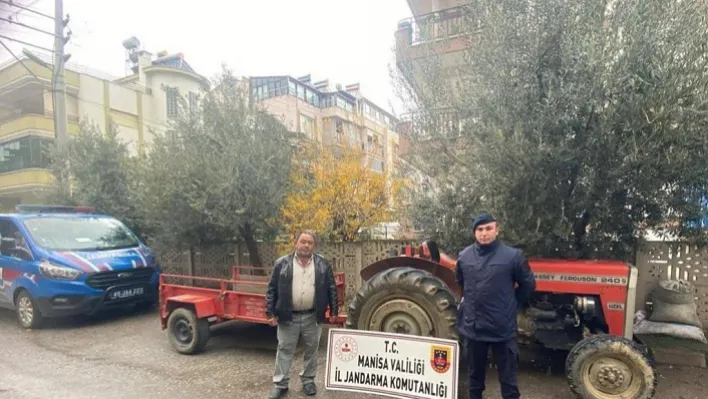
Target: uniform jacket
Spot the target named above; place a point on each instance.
(279, 296)
(487, 275)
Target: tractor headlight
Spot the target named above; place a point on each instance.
(51, 270)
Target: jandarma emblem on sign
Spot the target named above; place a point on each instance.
(440, 358)
(346, 349)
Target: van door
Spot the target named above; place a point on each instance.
(14, 255)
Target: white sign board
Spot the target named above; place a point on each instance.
(395, 365)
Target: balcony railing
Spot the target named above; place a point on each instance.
(24, 180)
(439, 123)
(30, 121)
(438, 25)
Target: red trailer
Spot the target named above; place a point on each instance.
(188, 310)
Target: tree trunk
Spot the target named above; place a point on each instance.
(254, 255)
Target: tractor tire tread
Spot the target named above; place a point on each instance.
(435, 290)
(633, 350)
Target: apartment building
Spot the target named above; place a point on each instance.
(335, 116)
(331, 115)
(139, 104)
(435, 30)
(433, 41)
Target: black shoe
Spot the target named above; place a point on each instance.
(277, 392)
(309, 389)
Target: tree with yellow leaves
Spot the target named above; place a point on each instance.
(334, 192)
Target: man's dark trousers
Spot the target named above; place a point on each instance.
(505, 355)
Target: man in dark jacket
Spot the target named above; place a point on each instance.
(487, 272)
(300, 290)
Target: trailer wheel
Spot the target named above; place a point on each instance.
(610, 367)
(188, 334)
(405, 301)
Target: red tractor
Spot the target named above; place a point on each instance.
(584, 308)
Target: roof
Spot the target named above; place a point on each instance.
(342, 92)
(24, 216)
(174, 61)
(24, 211)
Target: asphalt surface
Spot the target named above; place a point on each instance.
(125, 354)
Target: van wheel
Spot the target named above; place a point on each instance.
(27, 311)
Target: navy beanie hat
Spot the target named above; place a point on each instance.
(482, 218)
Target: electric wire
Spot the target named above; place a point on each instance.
(26, 43)
(28, 9)
(11, 22)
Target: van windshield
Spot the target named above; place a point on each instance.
(57, 233)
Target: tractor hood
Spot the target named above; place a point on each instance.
(104, 261)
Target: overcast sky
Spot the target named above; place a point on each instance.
(346, 41)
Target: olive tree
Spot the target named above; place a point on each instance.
(581, 124)
(96, 169)
(219, 172)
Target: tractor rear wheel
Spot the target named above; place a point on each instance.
(405, 300)
(610, 367)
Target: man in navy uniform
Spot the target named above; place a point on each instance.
(487, 271)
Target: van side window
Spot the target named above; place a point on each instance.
(12, 242)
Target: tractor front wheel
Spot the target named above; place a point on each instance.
(610, 367)
(404, 300)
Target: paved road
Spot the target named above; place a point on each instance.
(126, 355)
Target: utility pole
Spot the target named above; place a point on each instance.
(61, 130)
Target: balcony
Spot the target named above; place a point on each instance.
(42, 125)
(438, 123)
(437, 33)
(14, 75)
(24, 182)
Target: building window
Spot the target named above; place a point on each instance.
(171, 94)
(264, 88)
(377, 165)
(339, 131)
(193, 102)
(344, 104)
(27, 152)
(307, 125)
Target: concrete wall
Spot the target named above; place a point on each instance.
(154, 105)
(122, 99)
(90, 101)
(677, 260)
(286, 109)
(218, 261)
(134, 111)
(438, 5)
